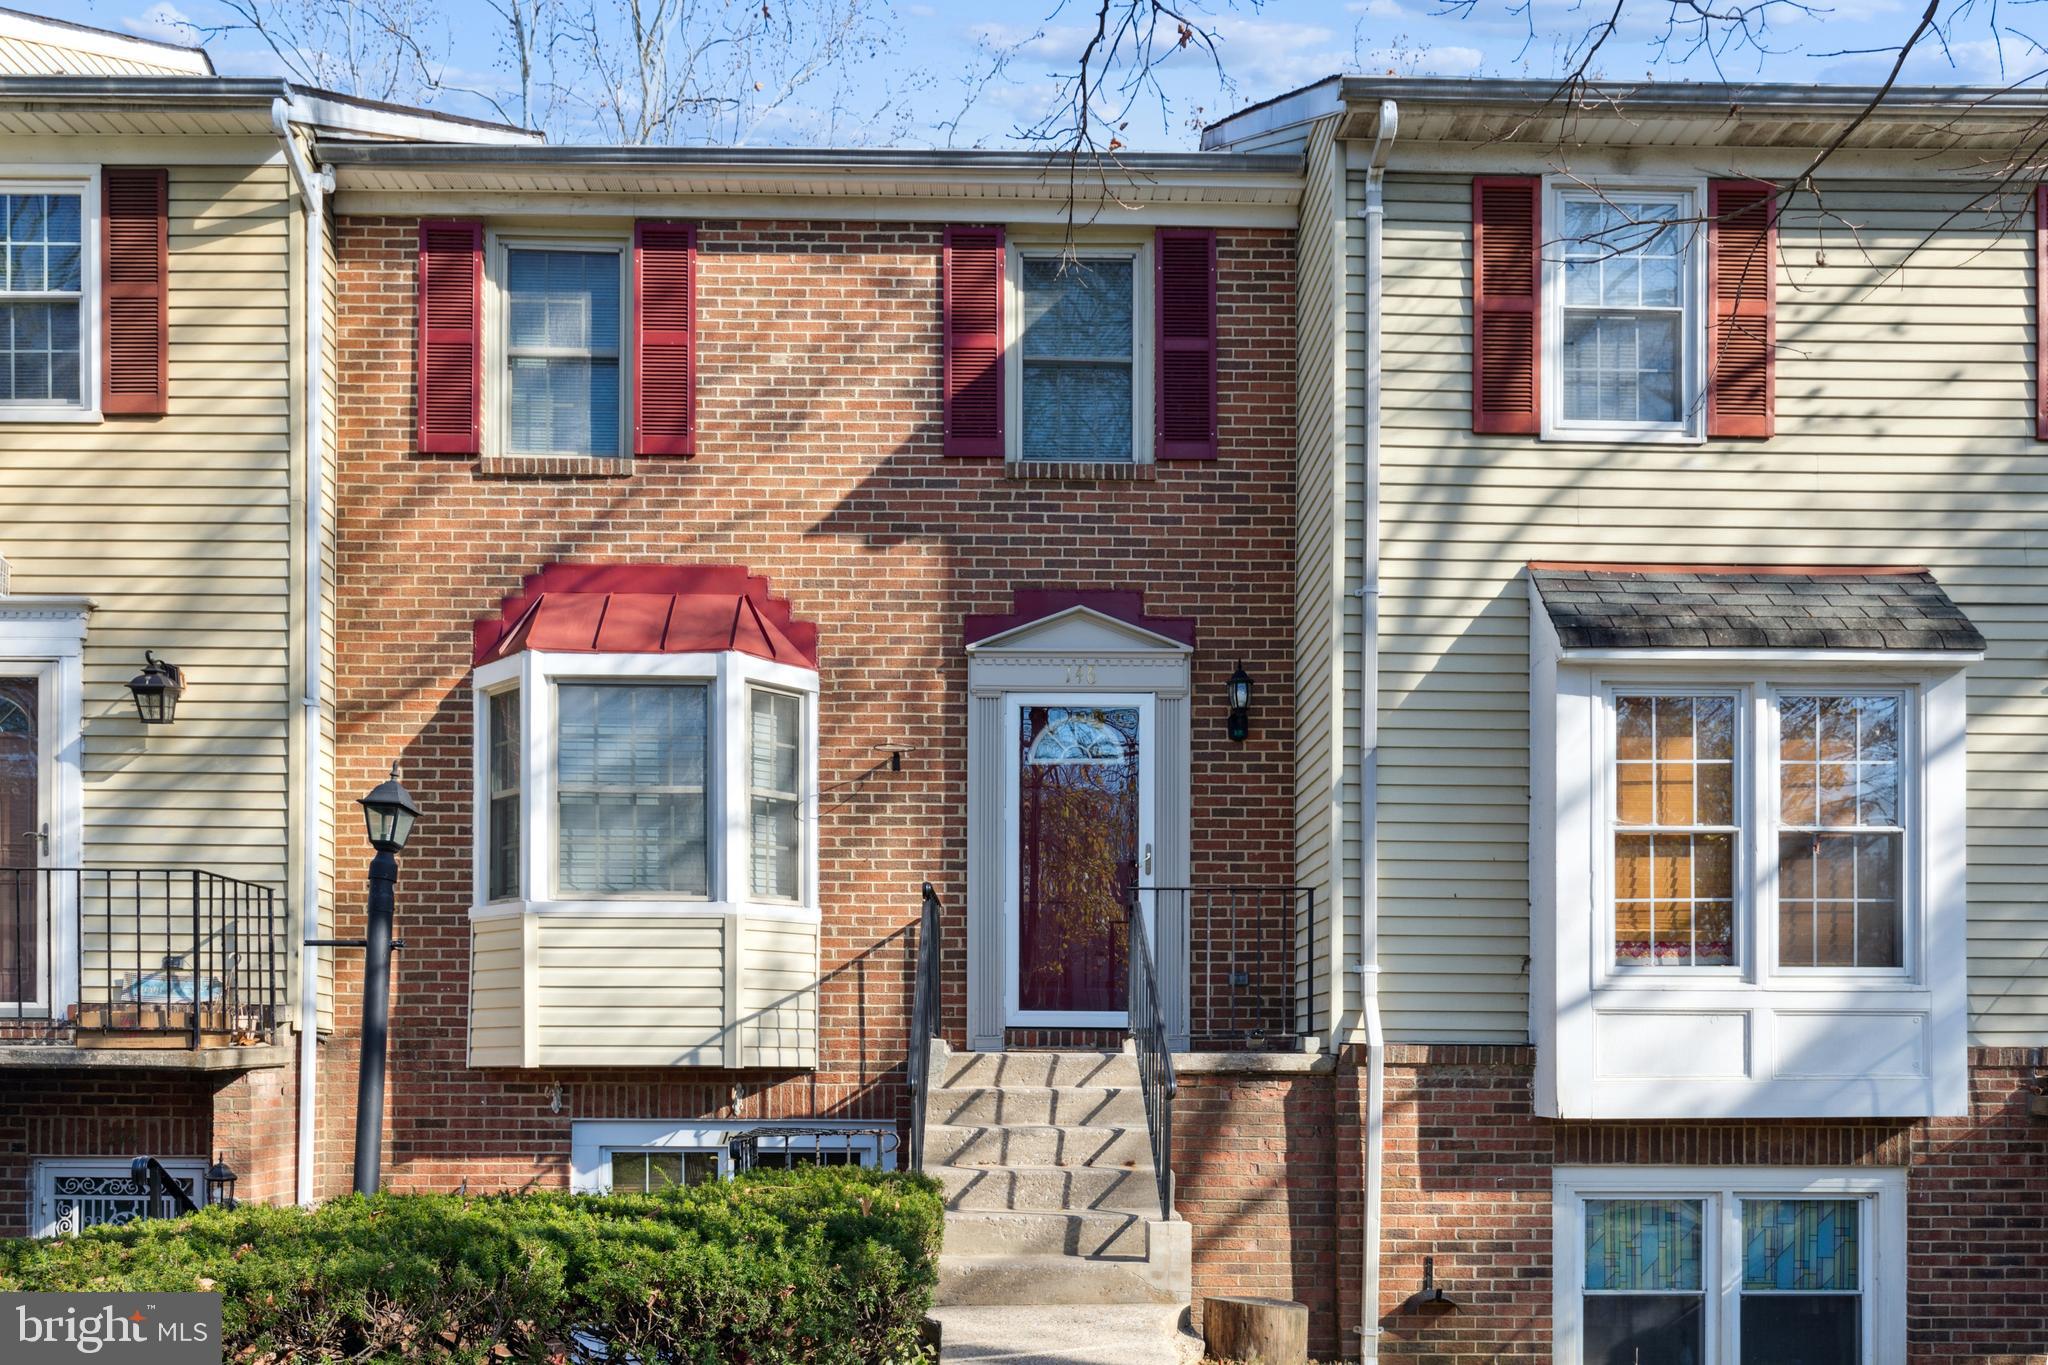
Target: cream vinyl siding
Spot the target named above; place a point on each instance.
(1904, 436)
(180, 527)
(1320, 552)
(643, 989)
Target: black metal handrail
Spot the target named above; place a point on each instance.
(1149, 1038)
(1255, 966)
(142, 951)
(924, 1021)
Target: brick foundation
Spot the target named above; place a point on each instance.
(1468, 1179)
(118, 1115)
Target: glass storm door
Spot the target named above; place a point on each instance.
(1082, 838)
(21, 833)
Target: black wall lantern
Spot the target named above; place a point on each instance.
(1240, 705)
(156, 690)
(220, 1183)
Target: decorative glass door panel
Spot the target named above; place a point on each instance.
(1079, 831)
(21, 827)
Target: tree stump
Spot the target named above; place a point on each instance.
(1248, 1328)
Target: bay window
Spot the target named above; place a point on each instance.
(615, 778)
(1729, 1266)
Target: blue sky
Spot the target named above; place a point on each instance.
(932, 71)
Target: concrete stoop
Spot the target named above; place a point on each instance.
(1051, 1203)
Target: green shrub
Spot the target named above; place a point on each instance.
(833, 1266)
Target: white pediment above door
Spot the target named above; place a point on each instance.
(1079, 647)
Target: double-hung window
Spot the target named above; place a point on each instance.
(1728, 1267)
(1824, 772)
(630, 789)
(1624, 335)
(561, 341)
(1080, 373)
(46, 276)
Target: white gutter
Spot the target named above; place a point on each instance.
(313, 188)
(1369, 749)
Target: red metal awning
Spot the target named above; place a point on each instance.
(647, 609)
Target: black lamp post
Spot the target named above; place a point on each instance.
(389, 813)
(220, 1183)
(156, 690)
(1240, 705)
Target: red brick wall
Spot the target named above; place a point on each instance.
(1468, 1174)
(1256, 1176)
(94, 1113)
(819, 466)
(255, 1129)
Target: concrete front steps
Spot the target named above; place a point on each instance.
(1051, 1200)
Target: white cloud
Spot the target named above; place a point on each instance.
(164, 22)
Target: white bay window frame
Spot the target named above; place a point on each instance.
(1756, 1040)
(1690, 195)
(1881, 1244)
(729, 677)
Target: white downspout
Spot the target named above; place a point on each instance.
(1369, 749)
(313, 187)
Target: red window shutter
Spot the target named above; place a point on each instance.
(1185, 288)
(1742, 271)
(2040, 313)
(451, 350)
(972, 322)
(1507, 228)
(135, 292)
(664, 339)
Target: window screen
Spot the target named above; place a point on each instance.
(42, 296)
(1078, 336)
(562, 344)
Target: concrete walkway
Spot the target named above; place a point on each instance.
(1107, 1334)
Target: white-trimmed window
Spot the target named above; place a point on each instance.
(684, 778)
(1624, 332)
(618, 1156)
(1079, 378)
(558, 370)
(1729, 1266)
(1808, 785)
(48, 298)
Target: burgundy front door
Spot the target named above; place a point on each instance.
(20, 825)
(1077, 857)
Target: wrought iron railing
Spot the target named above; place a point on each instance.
(924, 1021)
(1255, 963)
(165, 953)
(1150, 1040)
(813, 1145)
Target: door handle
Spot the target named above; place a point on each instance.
(1148, 860)
(42, 838)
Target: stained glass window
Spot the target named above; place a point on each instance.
(1644, 1292)
(1801, 1281)
(1676, 825)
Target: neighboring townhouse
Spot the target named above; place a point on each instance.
(1670, 679)
(732, 542)
(158, 872)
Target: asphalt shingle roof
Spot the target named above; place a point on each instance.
(1597, 606)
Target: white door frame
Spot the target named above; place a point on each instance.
(1014, 704)
(44, 638)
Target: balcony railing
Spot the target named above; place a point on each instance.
(138, 956)
(1255, 962)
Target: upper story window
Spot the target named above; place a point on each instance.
(45, 313)
(1080, 370)
(560, 367)
(1624, 334)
